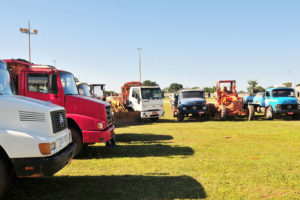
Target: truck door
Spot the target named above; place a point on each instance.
(39, 85)
(136, 99)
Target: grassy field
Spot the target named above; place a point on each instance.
(182, 160)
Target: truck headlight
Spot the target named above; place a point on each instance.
(184, 108)
(47, 148)
(100, 125)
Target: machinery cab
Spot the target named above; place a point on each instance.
(97, 91)
(225, 89)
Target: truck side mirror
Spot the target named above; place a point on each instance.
(53, 84)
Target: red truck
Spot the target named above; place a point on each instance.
(90, 120)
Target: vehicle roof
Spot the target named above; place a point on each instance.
(274, 88)
(188, 90)
(97, 84)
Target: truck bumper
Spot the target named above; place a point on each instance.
(44, 166)
(194, 112)
(152, 114)
(289, 112)
(99, 136)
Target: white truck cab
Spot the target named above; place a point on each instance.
(34, 136)
(148, 100)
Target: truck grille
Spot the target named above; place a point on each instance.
(32, 116)
(194, 107)
(289, 106)
(108, 115)
(59, 120)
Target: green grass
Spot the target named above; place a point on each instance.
(182, 160)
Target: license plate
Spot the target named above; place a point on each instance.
(290, 113)
(62, 141)
(201, 112)
(154, 113)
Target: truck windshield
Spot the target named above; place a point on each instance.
(84, 90)
(5, 88)
(192, 94)
(68, 83)
(151, 93)
(283, 93)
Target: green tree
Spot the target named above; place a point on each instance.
(260, 89)
(252, 84)
(288, 84)
(150, 83)
(174, 87)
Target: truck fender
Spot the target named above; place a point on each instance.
(4, 157)
(73, 124)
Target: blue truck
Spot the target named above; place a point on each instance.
(275, 101)
(189, 103)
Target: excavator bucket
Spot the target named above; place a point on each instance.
(127, 118)
(122, 116)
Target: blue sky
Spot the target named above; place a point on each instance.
(194, 43)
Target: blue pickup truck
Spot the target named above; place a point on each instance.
(189, 103)
(275, 101)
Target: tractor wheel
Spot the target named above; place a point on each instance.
(258, 109)
(223, 112)
(76, 137)
(269, 113)
(4, 179)
(180, 117)
(251, 112)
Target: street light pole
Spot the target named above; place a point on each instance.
(28, 31)
(140, 63)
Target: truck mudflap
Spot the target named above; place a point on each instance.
(44, 166)
(152, 114)
(99, 136)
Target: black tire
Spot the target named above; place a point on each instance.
(111, 142)
(251, 112)
(76, 137)
(295, 116)
(180, 117)
(5, 179)
(211, 110)
(223, 112)
(269, 113)
(154, 119)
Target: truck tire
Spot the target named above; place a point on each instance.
(251, 112)
(223, 112)
(76, 137)
(269, 113)
(295, 116)
(111, 142)
(180, 117)
(211, 109)
(4, 179)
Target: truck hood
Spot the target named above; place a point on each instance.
(87, 106)
(283, 100)
(192, 101)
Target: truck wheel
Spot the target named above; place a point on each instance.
(211, 110)
(223, 112)
(4, 179)
(295, 116)
(154, 119)
(251, 112)
(111, 142)
(76, 137)
(269, 113)
(180, 117)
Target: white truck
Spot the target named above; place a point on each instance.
(34, 136)
(147, 100)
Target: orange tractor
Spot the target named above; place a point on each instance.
(228, 103)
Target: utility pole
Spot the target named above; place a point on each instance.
(140, 63)
(54, 61)
(28, 31)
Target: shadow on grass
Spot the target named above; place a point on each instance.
(107, 187)
(123, 151)
(132, 137)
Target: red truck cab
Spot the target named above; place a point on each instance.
(90, 120)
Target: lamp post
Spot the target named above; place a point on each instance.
(28, 31)
(140, 63)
